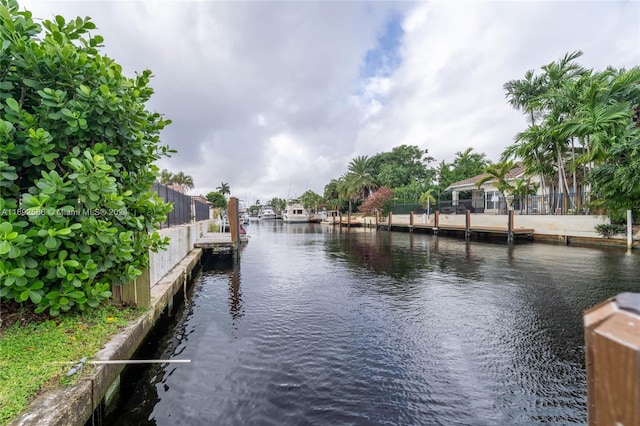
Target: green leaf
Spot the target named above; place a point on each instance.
(13, 104)
(5, 228)
(31, 83)
(5, 247)
(17, 272)
(35, 297)
(9, 175)
(51, 243)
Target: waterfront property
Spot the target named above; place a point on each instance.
(385, 328)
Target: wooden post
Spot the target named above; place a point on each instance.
(411, 222)
(629, 229)
(232, 214)
(467, 225)
(390, 221)
(436, 221)
(377, 219)
(612, 355)
(134, 293)
(510, 226)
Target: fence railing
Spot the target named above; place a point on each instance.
(558, 204)
(185, 208)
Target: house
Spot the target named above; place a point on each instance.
(487, 198)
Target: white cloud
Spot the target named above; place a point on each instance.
(262, 94)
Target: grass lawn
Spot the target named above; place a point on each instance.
(35, 357)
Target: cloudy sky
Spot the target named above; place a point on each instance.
(275, 98)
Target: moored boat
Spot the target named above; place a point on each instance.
(295, 212)
(267, 213)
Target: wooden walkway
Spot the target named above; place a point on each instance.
(218, 241)
(487, 231)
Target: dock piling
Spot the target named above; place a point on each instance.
(612, 356)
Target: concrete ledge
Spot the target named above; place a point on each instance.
(74, 405)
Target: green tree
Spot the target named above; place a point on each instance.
(360, 179)
(427, 200)
(578, 117)
(311, 200)
(77, 148)
(402, 166)
(347, 190)
(217, 199)
(499, 173)
(468, 164)
(224, 188)
(182, 180)
(278, 204)
(166, 177)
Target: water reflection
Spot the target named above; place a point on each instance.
(322, 325)
(235, 296)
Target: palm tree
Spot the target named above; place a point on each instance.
(347, 190)
(224, 188)
(522, 188)
(499, 173)
(426, 199)
(182, 181)
(468, 163)
(165, 177)
(360, 176)
(523, 94)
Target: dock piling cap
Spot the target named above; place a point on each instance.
(629, 302)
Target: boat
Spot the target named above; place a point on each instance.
(267, 213)
(295, 212)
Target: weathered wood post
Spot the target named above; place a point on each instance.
(467, 224)
(234, 225)
(411, 222)
(436, 221)
(377, 219)
(629, 229)
(510, 226)
(390, 221)
(349, 219)
(134, 293)
(612, 355)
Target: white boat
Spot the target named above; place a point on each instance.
(295, 212)
(267, 213)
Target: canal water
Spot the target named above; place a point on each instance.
(320, 327)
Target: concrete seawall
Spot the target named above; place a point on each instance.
(74, 405)
(577, 228)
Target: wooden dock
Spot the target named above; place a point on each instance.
(510, 231)
(218, 242)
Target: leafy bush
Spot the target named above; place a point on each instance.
(609, 230)
(76, 166)
(378, 201)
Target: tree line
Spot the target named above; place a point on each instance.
(583, 135)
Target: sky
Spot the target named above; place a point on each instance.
(275, 98)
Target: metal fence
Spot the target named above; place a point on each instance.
(558, 204)
(185, 208)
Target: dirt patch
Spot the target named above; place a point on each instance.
(13, 313)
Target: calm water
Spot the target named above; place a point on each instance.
(318, 327)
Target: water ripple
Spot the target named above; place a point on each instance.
(320, 327)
